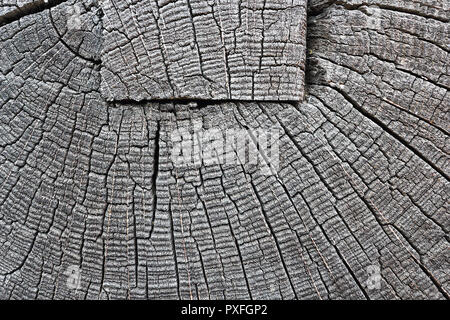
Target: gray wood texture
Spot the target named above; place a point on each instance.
(197, 49)
(87, 180)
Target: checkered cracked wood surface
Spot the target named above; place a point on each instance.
(92, 205)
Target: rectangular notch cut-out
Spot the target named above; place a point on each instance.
(204, 49)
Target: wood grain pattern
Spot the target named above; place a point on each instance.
(87, 179)
(197, 49)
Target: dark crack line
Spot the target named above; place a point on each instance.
(349, 6)
(155, 175)
(200, 103)
(28, 9)
(388, 130)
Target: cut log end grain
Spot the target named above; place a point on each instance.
(92, 205)
(198, 49)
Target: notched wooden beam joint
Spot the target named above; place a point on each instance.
(204, 50)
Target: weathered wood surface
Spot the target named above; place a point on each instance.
(197, 49)
(363, 178)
